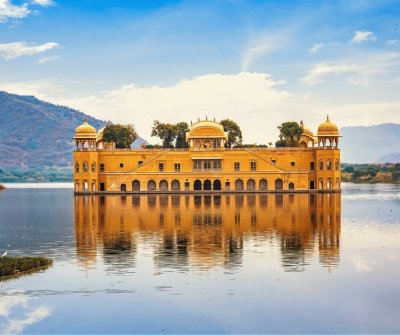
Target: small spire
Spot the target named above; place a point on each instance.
(301, 123)
(327, 117)
(191, 122)
(214, 119)
(206, 117)
(198, 119)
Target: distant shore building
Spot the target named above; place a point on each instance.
(207, 165)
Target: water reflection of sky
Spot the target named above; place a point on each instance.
(204, 264)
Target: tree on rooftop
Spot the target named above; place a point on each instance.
(290, 133)
(181, 129)
(122, 135)
(234, 132)
(165, 131)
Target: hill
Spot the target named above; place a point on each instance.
(38, 135)
(372, 144)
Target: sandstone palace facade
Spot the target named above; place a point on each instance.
(206, 165)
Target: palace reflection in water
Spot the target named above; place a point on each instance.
(204, 231)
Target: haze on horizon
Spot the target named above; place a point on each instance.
(259, 63)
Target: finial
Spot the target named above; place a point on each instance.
(198, 119)
(301, 123)
(191, 122)
(206, 117)
(327, 117)
(214, 119)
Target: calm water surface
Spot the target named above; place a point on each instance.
(204, 264)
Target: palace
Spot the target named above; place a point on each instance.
(207, 165)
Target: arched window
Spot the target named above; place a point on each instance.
(123, 187)
(207, 185)
(175, 185)
(151, 185)
(263, 185)
(93, 166)
(136, 185)
(163, 185)
(238, 184)
(321, 165)
(217, 185)
(251, 185)
(278, 184)
(321, 184)
(197, 185)
(85, 145)
(77, 167)
(85, 166)
(291, 186)
(329, 165)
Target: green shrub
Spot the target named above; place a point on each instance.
(11, 266)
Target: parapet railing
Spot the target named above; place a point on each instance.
(212, 150)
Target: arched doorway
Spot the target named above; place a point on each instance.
(239, 185)
(217, 185)
(197, 185)
(123, 187)
(291, 186)
(321, 184)
(163, 185)
(279, 184)
(175, 185)
(263, 185)
(207, 185)
(251, 185)
(151, 185)
(136, 185)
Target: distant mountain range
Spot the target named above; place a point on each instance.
(372, 144)
(38, 135)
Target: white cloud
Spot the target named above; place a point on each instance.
(43, 2)
(359, 69)
(9, 301)
(362, 36)
(49, 59)
(260, 46)
(393, 42)
(8, 10)
(14, 50)
(255, 100)
(16, 326)
(316, 47)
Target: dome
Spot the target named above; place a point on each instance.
(328, 128)
(206, 129)
(306, 131)
(85, 130)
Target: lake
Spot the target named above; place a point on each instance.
(304, 263)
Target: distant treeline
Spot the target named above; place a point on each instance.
(371, 173)
(39, 175)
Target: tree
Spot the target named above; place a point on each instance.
(234, 132)
(181, 129)
(280, 144)
(122, 135)
(290, 132)
(349, 169)
(165, 131)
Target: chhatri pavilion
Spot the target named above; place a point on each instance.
(207, 165)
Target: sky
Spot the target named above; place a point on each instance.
(259, 63)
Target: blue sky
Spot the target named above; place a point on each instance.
(258, 62)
